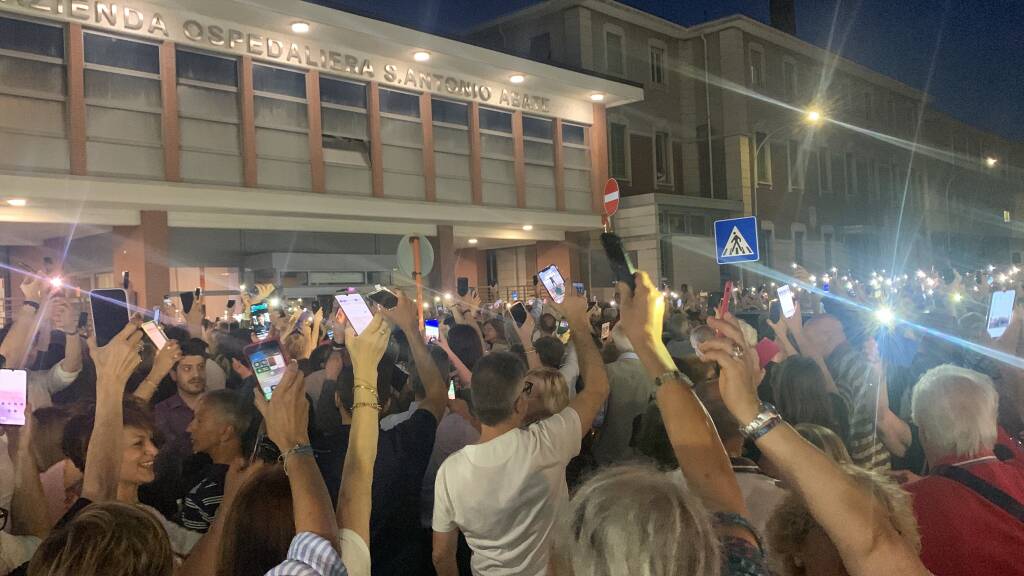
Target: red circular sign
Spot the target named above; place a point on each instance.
(611, 197)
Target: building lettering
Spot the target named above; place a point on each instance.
(136, 19)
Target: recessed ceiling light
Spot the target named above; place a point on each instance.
(300, 27)
(472, 240)
(517, 78)
(597, 97)
(421, 56)
(527, 227)
(19, 202)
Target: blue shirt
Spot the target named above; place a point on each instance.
(310, 555)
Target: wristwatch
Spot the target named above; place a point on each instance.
(763, 423)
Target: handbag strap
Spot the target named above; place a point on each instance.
(987, 491)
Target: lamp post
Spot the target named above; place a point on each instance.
(811, 117)
(989, 162)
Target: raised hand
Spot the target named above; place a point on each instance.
(368, 348)
(333, 366)
(116, 361)
(738, 361)
(166, 358)
(641, 312)
(404, 315)
(287, 412)
(64, 316)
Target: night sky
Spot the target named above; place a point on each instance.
(972, 49)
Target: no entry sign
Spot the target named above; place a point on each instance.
(611, 197)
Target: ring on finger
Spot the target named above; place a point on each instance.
(737, 352)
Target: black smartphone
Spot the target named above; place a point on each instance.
(187, 299)
(109, 313)
(386, 298)
(463, 285)
(125, 279)
(775, 310)
(622, 268)
(83, 319)
(518, 311)
(231, 304)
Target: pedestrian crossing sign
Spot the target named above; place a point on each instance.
(736, 240)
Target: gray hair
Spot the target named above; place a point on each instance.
(622, 343)
(634, 520)
(956, 410)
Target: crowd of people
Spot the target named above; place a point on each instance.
(649, 435)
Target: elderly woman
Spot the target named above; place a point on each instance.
(548, 394)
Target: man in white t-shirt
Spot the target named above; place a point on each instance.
(505, 492)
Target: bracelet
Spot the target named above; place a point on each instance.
(365, 387)
(530, 351)
(373, 405)
(674, 375)
(763, 423)
(297, 450)
(31, 303)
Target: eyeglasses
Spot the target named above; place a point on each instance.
(4, 514)
(527, 388)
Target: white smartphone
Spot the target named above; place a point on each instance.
(13, 397)
(155, 334)
(786, 301)
(553, 281)
(1000, 311)
(432, 330)
(356, 310)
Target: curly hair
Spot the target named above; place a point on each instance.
(791, 522)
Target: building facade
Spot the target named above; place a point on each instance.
(218, 142)
(723, 131)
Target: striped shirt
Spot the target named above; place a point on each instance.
(310, 555)
(201, 503)
(858, 384)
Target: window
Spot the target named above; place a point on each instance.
(401, 135)
(826, 238)
(824, 170)
(864, 178)
(838, 172)
(576, 171)
(614, 52)
(790, 80)
(346, 138)
(33, 125)
(618, 150)
(540, 47)
(497, 157)
(798, 246)
(869, 106)
(757, 67)
(209, 117)
(662, 159)
(796, 172)
(451, 150)
(124, 107)
(767, 246)
(539, 152)
(658, 64)
(764, 159)
(851, 175)
(282, 128)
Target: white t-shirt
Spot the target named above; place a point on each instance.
(505, 495)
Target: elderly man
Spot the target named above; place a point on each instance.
(970, 508)
(631, 390)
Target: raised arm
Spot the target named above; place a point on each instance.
(287, 418)
(163, 362)
(18, 342)
(525, 333)
(695, 442)
(406, 317)
(595, 379)
(355, 495)
(465, 374)
(28, 506)
(115, 362)
(853, 519)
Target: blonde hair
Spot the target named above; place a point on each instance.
(109, 538)
(791, 522)
(826, 440)
(295, 346)
(550, 389)
(634, 520)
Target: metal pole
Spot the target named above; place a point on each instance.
(417, 275)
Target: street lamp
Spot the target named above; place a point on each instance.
(811, 117)
(990, 162)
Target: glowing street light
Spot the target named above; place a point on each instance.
(991, 161)
(885, 316)
(813, 116)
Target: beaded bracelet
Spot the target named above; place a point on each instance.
(297, 450)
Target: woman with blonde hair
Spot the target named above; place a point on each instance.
(826, 440)
(800, 546)
(110, 538)
(546, 392)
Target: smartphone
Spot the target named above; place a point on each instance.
(723, 304)
(259, 315)
(580, 289)
(606, 330)
(554, 283)
(451, 389)
(622, 268)
(432, 330)
(563, 327)
(155, 334)
(462, 286)
(518, 311)
(386, 298)
(356, 310)
(514, 295)
(13, 397)
(231, 304)
(999, 312)
(268, 364)
(125, 279)
(109, 313)
(786, 301)
(187, 299)
(156, 314)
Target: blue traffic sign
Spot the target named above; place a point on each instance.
(736, 240)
